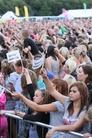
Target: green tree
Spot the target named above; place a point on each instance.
(10, 6)
(45, 10)
(42, 7)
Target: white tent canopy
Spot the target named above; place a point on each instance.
(81, 13)
(9, 16)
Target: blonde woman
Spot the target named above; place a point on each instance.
(64, 52)
(69, 79)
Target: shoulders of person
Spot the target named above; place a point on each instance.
(59, 106)
(49, 59)
(29, 40)
(83, 111)
(67, 102)
(14, 76)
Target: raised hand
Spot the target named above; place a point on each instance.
(25, 71)
(16, 95)
(25, 50)
(19, 113)
(43, 73)
(56, 51)
(2, 112)
(50, 132)
(87, 135)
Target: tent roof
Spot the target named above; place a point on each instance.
(9, 15)
(81, 13)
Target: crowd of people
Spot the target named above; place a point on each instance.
(52, 83)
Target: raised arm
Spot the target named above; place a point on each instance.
(33, 117)
(33, 105)
(27, 50)
(59, 97)
(26, 73)
(62, 59)
(29, 83)
(19, 41)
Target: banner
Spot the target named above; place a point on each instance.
(2, 90)
(13, 56)
(85, 5)
(26, 12)
(17, 11)
(37, 63)
(64, 11)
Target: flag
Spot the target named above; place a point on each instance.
(37, 63)
(64, 11)
(13, 56)
(85, 5)
(17, 11)
(26, 12)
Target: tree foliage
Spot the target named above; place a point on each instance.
(42, 7)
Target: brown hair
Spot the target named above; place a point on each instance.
(87, 70)
(84, 96)
(25, 33)
(61, 86)
(7, 68)
(45, 95)
(19, 63)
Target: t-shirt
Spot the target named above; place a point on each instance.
(3, 119)
(69, 120)
(15, 80)
(56, 117)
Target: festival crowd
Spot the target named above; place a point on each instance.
(51, 83)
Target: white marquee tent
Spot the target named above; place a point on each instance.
(80, 13)
(9, 16)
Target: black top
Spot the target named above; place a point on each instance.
(31, 43)
(31, 90)
(39, 117)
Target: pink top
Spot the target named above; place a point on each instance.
(3, 119)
